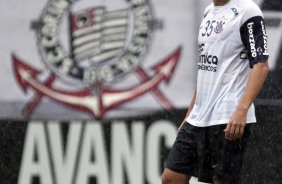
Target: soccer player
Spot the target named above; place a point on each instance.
(232, 68)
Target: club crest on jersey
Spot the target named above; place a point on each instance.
(104, 47)
(219, 26)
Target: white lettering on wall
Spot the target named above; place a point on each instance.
(124, 153)
(35, 146)
(127, 152)
(64, 161)
(157, 131)
(93, 145)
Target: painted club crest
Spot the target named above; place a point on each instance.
(103, 47)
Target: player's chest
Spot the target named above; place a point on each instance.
(218, 27)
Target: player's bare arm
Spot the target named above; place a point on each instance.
(236, 124)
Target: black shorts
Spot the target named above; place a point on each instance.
(204, 152)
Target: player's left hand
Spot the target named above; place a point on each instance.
(236, 125)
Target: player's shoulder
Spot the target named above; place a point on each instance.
(249, 8)
(208, 9)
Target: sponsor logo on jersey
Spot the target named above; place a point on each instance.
(236, 13)
(208, 62)
(252, 39)
(259, 51)
(201, 47)
(264, 39)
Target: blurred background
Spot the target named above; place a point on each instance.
(92, 92)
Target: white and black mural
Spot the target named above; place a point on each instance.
(92, 92)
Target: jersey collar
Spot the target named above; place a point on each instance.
(216, 9)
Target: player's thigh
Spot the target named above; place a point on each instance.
(182, 157)
(230, 158)
(172, 177)
(218, 181)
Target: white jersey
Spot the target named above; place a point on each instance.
(232, 38)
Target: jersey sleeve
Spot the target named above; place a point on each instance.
(253, 35)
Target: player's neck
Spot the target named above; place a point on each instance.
(220, 2)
